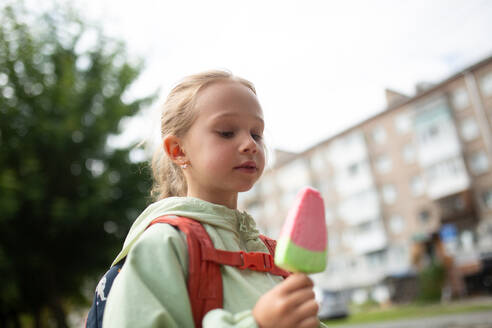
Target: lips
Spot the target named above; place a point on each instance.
(249, 165)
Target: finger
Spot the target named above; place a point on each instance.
(308, 308)
(300, 296)
(296, 281)
(303, 311)
(311, 322)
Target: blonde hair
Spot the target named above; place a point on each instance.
(177, 117)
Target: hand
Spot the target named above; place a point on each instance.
(289, 304)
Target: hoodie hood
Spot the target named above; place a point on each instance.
(219, 216)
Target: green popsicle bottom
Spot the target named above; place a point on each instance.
(294, 258)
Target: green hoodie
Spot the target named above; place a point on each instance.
(150, 290)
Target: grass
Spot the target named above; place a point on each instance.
(376, 314)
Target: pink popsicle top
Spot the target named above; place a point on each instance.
(305, 223)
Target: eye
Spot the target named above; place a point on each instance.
(256, 137)
(226, 134)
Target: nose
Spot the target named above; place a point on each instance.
(248, 145)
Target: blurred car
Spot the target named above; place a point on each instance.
(332, 305)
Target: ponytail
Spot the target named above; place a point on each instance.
(168, 178)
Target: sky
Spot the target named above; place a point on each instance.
(319, 67)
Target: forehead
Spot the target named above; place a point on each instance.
(227, 98)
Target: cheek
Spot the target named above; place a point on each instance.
(261, 158)
(217, 160)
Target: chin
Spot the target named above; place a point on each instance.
(245, 188)
(243, 185)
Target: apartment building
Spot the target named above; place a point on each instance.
(421, 166)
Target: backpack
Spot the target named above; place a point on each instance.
(204, 283)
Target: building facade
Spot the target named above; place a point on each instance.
(421, 166)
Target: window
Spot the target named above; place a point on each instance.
(429, 133)
(469, 129)
(403, 123)
(424, 216)
(467, 240)
(433, 131)
(349, 208)
(460, 99)
(417, 185)
(478, 162)
(450, 168)
(379, 135)
(452, 205)
(376, 259)
(398, 255)
(384, 164)
(353, 169)
(486, 84)
(389, 194)
(487, 198)
(396, 223)
(408, 153)
(352, 264)
(364, 228)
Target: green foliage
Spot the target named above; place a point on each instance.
(368, 305)
(431, 281)
(66, 199)
(407, 312)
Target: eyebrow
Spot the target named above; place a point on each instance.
(221, 115)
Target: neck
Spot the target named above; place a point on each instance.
(226, 200)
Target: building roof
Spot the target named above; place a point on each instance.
(404, 100)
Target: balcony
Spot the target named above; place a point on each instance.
(446, 178)
(350, 209)
(368, 237)
(457, 208)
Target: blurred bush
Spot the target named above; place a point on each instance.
(431, 281)
(66, 199)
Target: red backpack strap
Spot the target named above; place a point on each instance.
(257, 261)
(271, 244)
(204, 282)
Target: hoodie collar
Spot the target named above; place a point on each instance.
(219, 216)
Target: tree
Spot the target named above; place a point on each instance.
(66, 199)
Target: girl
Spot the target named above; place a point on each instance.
(212, 149)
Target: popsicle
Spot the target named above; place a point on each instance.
(302, 244)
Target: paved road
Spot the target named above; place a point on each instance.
(466, 320)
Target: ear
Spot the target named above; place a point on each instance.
(173, 149)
